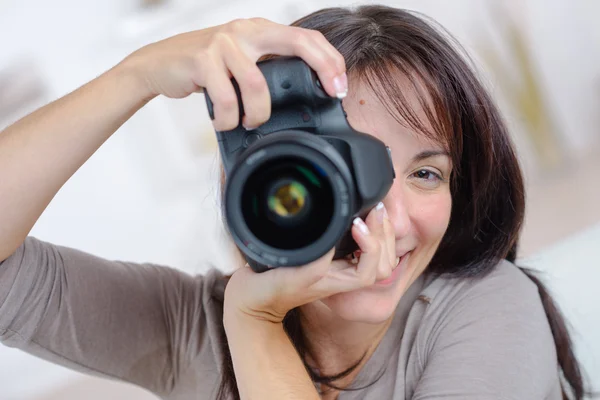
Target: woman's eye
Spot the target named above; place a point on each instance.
(427, 178)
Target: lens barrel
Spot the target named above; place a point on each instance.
(289, 200)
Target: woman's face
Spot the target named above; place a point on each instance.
(418, 203)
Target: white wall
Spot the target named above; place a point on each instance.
(570, 268)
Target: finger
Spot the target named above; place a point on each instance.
(296, 286)
(390, 241)
(315, 269)
(222, 94)
(334, 53)
(388, 254)
(389, 236)
(290, 278)
(376, 221)
(253, 87)
(314, 49)
(379, 222)
(370, 247)
(345, 276)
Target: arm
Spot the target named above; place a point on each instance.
(493, 342)
(142, 324)
(44, 149)
(266, 363)
(61, 303)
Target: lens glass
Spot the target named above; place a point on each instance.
(287, 199)
(287, 203)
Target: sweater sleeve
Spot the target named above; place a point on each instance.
(492, 340)
(137, 323)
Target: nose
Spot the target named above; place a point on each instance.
(397, 208)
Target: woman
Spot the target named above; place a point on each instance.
(434, 307)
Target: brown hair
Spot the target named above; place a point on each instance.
(487, 190)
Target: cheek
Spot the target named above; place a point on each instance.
(431, 216)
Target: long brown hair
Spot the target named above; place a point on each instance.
(487, 190)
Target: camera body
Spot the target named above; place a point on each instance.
(294, 185)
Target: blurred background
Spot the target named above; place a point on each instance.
(150, 193)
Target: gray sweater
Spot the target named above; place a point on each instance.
(157, 327)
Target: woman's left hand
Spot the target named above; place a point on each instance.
(268, 296)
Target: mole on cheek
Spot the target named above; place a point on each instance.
(362, 102)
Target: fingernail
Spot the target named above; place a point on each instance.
(364, 229)
(381, 212)
(340, 83)
(248, 128)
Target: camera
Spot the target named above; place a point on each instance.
(294, 185)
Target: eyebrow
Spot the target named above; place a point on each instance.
(429, 153)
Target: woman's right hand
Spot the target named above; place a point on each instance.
(181, 65)
(44, 149)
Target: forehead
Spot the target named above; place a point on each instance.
(372, 109)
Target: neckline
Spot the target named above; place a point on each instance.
(391, 339)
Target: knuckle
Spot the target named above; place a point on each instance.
(259, 20)
(221, 39)
(203, 59)
(369, 278)
(227, 102)
(303, 38)
(317, 36)
(258, 108)
(202, 54)
(254, 80)
(237, 25)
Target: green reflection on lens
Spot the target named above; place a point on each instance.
(309, 175)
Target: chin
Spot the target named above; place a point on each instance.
(375, 304)
(364, 305)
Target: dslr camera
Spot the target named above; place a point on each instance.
(294, 185)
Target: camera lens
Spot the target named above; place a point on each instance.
(289, 199)
(287, 203)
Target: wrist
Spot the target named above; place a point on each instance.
(266, 363)
(246, 308)
(237, 320)
(129, 75)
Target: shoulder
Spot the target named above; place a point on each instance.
(504, 299)
(491, 331)
(504, 286)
